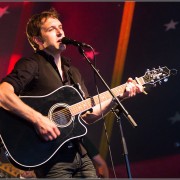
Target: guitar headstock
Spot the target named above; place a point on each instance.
(158, 75)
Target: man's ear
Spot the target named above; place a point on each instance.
(38, 40)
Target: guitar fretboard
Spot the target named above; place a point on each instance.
(90, 102)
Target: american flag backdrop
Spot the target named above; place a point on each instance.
(154, 40)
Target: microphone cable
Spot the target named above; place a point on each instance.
(102, 117)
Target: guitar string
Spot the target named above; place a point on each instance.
(66, 112)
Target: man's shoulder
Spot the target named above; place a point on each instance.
(26, 59)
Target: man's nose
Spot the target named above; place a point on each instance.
(59, 32)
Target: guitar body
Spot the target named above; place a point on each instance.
(24, 147)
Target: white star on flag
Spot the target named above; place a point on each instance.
(3, 11)
(171, 25)
(175, 118)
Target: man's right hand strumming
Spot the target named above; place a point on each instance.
(46, 128)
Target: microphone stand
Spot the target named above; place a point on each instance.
(115, 99)
(123, 141)
(120, 106)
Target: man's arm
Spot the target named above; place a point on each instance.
(101, 166)
(131, 90)
(11, 102)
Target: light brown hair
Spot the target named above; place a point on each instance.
(33, 27)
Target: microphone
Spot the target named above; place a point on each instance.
(68, 41)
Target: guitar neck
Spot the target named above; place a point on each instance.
(90, 102)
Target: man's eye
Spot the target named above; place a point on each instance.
(50, 29)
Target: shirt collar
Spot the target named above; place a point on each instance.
(65, 61)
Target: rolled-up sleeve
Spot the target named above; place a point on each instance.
(23, 73)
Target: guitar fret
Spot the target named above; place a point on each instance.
(80, 107)
(87, 104)
(141, 80)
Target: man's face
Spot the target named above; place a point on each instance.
(52, 33)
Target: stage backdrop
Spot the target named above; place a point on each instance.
(154, 40)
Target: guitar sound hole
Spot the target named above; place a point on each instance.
(61, 115)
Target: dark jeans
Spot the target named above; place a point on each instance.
(70, 165)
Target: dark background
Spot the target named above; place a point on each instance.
(154, 145)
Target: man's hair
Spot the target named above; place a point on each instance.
(33, 27)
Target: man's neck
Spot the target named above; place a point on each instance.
(57, 57)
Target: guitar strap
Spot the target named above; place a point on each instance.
(75, 83)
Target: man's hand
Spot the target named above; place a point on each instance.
(46, 128)
(132, 88)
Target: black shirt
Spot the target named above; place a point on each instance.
(38, 75)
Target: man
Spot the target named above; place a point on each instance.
(40, 75)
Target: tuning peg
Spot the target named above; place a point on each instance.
(166, 79)
(160, 82)
(148, 71)
(160, 69)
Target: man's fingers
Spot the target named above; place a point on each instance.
(57, 131)
(131, 89)
(139, 88)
